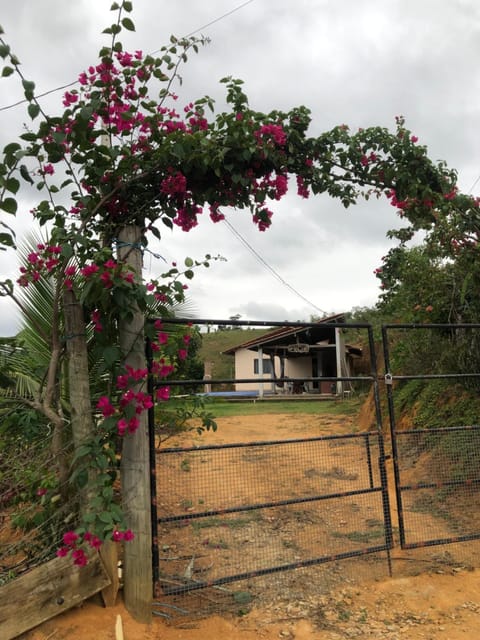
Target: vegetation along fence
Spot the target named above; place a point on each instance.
(36, 505)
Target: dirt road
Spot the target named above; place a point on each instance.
(430, 596)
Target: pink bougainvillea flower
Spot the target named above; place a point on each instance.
(70, 538)
(48, 169)
(133, 424)
(105, 407)
(97, 324)
(79, 557)
(69, 98)
(163, 393)
(95, 542)
(89, 270)
(122, 426)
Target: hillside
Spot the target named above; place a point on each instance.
(216, 342)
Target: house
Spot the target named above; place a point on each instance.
(291, 359)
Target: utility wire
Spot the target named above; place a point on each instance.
(71, 84)
(473, 185)
(269, 268)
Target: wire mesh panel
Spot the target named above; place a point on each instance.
(435, 446)
(439, 473)
(228, 512)
(36, 507)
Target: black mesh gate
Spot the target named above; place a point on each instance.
(230, 512)
(436, 466)
(264, 507)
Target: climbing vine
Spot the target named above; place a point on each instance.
(124, 151)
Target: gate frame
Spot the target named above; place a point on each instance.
(389, 380)
(372, 378)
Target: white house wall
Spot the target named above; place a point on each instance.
(244, 368)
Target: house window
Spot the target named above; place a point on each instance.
(267, 366)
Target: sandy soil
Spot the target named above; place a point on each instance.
(434, 599)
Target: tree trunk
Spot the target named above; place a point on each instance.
(135, 465)
(78, 383)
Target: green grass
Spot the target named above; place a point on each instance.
(224, 408)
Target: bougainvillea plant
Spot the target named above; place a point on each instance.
(123, 150)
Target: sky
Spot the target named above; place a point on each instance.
(356, 62)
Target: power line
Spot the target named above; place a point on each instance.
(473, 185)
(225, 15)
(269, 268)
(71, 84)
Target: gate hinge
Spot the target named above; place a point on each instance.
(388, 378)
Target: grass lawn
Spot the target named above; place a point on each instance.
(224, 408)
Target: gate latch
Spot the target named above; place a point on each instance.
(388, 378)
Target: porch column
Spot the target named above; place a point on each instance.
(260, 371)
(339, 358)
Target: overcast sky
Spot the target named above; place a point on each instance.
(360, 62)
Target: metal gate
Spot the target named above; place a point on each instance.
(231, 512)
(436, 468)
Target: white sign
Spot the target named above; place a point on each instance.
(299, 347)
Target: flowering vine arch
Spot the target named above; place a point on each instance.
(117, 164)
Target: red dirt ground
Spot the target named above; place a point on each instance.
(443, 604)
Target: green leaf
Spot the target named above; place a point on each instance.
(6, 240)
(127, 6)
(9, 205)
(33, 110)
(155, 232)
(128, 24)
(11, 148)
(28, 86)
(189, 274)
(12, 185)
(29, 137)
(188, 262)
(111, 355)
(25, 174)
(7, 71)
(4, 50)
(67, 251)
(115, 7)
(105, 517)
(82, 451)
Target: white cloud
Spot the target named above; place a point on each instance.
(361, 63)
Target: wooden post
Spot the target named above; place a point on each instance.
(47, 590)
(78, 372)
(135, 467)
